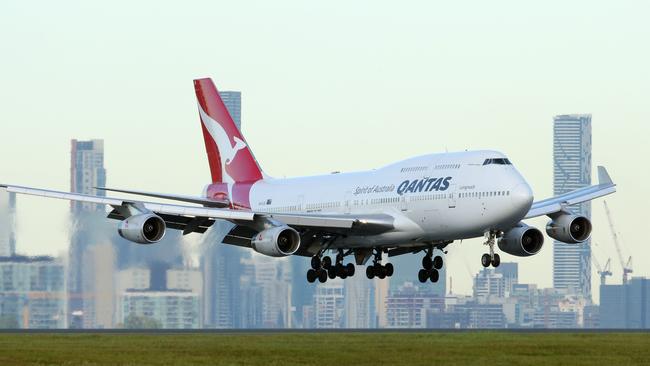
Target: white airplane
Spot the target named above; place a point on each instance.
(414, 205)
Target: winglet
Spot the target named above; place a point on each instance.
(603, 176)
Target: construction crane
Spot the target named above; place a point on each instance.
(627, 266)
(603, 271)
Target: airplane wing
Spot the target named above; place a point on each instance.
(552, 205)
(198, 219)
(190, 199)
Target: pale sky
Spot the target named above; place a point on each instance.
(326, 85)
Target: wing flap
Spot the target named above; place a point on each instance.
(190, 199)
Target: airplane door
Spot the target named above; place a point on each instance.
(451, 200)
(402, 203)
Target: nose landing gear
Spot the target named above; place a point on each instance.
(491, 258)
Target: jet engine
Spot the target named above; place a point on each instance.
(569, 228)
(278, 241)
(145, 228)
(522, 241)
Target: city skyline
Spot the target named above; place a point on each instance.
(469, 105)
(572, 168)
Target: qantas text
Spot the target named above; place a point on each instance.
(423, 185)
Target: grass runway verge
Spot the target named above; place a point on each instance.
(338, 349)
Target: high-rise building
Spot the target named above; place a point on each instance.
(273, 276)
(232, 101)
(302, 291)
(488, 283)
(98, 286)
(171, 309)
(409, 306)
(510, 272)
(86, 172)
(7, 224)
(329, 305)
(359, 303)
(32, 293)
(572, 170)
(173, 304)
(626, 306)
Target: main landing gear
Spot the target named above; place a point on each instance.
(491, 258)
(430, 267)
(377, 269)
(323, 268)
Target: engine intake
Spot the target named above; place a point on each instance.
(522, 241)
(569, 228)
(142, 229)
(279, 241)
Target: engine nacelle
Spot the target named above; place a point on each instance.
(569, 229)
(145, 228)
(522, 241)
(279, 241)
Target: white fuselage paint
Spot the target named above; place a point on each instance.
(479, 198)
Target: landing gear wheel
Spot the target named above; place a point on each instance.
(340, 270)
(423, 275)
(427, 263)
(437, 262)
(389, 269)
(496, 260)
(327, 263)
(315, 263)
(486, 260)
(434, 276)
(311, 276)
(380, 271)
(349, 269)
(331, 273)
(322, 276)
(370, 273)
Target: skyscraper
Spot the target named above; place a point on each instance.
(329, 304)
(359, 303)
(86, 172)
(232, 100)
(572, 170)
(7, 224)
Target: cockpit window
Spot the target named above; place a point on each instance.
(497, 161)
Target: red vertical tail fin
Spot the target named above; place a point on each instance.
(229, 156)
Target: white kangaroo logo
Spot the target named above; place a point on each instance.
(227, 152)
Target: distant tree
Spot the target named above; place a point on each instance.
(8, 322)
(141, 322)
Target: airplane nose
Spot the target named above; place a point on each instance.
(521, 197)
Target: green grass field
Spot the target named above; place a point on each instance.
(331, 349)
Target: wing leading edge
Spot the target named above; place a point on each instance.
(552, 205)
(198, 219)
